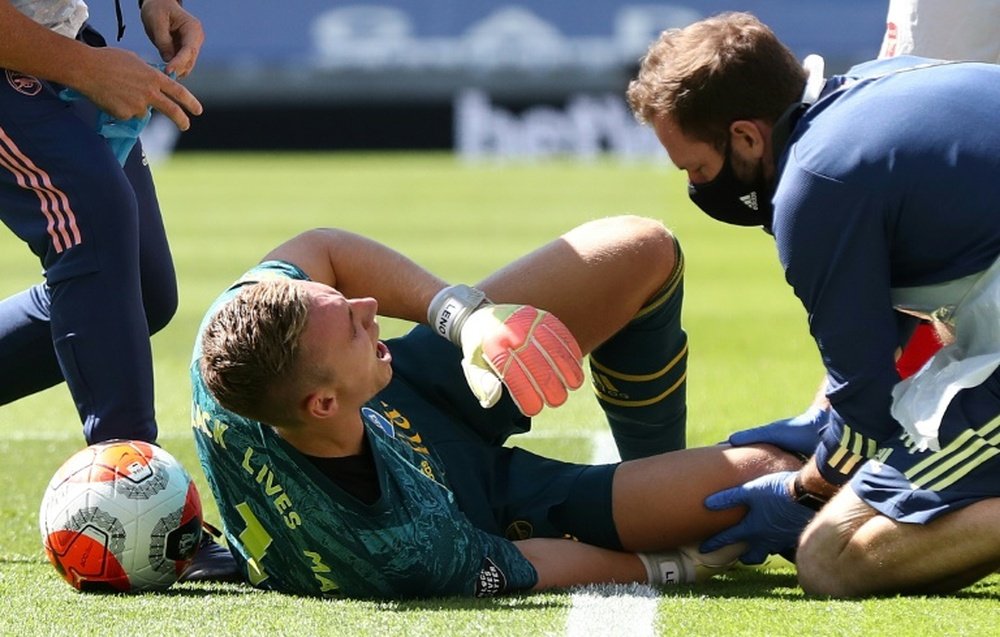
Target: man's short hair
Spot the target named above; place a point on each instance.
(250, 351)
(709, 74)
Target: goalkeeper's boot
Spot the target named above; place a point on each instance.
(212, 562)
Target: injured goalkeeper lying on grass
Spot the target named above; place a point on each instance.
(345, 465)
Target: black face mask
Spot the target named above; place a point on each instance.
(730, 200)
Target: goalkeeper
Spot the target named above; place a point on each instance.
(370, 469)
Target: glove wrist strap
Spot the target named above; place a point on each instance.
(450, 308)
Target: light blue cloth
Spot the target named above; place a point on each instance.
(120, 133)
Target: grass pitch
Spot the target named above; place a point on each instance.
(751, 361)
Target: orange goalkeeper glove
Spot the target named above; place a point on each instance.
(528, 350)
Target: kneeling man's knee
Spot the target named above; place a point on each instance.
(815, 560)
(835, 556)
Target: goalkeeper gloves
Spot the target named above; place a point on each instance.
(528, 350)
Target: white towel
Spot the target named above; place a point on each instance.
(919, 402)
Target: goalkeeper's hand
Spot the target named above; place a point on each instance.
(528, 350)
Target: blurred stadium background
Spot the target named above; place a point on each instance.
(487, 78)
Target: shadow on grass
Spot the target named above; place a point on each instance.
(745, 584)
(979, 591)
(783, 584)
(519, 601)
(210, 589)
(198, 591)
(740, 584)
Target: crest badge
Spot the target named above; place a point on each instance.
(25, 84)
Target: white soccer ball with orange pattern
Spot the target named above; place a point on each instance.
(122, 515)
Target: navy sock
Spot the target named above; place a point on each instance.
(640, 375)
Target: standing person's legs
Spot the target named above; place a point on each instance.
(63, 193)
(28, 361)
(156, 265)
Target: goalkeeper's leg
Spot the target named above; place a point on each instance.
(594, 278)
(563, 563)
(640, 374)
(617, 284)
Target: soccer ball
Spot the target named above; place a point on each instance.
(120, 516)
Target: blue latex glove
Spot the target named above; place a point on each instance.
(797, 435)
(121, 134)
(772, 524)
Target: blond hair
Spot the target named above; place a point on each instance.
(250, 357)
(707, 75)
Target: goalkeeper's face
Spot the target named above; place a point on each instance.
(340, 345)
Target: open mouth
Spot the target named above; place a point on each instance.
(382, 352)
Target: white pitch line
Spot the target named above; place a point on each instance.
(612, 609)
(605, 449)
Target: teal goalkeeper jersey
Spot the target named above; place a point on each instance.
(293, 530)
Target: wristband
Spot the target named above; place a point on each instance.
(450, 308)
(806, 498)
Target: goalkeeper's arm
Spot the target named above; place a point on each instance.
(529, 350)
(359, 267)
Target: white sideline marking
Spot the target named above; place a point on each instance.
(611, 609)
(605, 450)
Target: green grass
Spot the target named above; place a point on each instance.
(751, 361)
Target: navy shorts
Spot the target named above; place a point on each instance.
(502, 490)
(917, 487)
